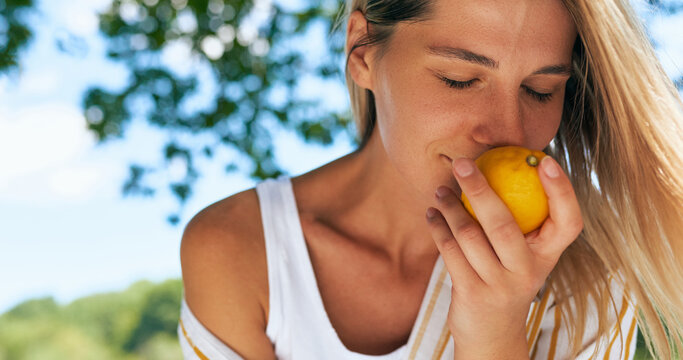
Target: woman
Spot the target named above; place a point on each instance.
(341, 262)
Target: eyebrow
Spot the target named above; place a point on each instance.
(466, 55)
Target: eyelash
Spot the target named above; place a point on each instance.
(542, 98)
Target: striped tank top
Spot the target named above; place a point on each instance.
(299, 328)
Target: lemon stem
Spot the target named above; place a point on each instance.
(532, 160)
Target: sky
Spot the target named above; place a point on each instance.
(65, 229)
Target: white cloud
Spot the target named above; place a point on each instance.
(39, 82)
(84, 24)
(40, 137)
(75, 182)
(41, 152)
(79, 17)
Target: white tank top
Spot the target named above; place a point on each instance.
(298, 324)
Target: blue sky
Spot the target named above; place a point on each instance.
(65, 229)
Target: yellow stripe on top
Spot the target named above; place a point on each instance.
(441, 344)
(428, 313)
(556, 330)
(617, 327)
(189, 341)
(537, 320)
(533, 354)
(531, 318)
(629, 338)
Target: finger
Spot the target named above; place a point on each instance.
(564, 222)
(495, 218)
(454, 259)
(469, 235)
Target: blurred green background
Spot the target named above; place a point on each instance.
(138, 323)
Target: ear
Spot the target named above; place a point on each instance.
(360, 64)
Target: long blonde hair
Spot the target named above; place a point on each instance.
(621, 143)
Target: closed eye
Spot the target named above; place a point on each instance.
(540, 97)
(458, 84)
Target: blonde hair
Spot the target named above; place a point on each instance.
(621, 143)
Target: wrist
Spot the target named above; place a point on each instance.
(506, 349)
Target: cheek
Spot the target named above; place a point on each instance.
(542, 133)
(408, 115)
(541, 129)
(411, 126)
(411, 119)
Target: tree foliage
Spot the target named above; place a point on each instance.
(254, 53)
(138, 323)
(15, 34)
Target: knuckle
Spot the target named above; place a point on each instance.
(477, 188)
(468, 231)
(450, 244)
(566, 191)
(505, 230)
(575, 225)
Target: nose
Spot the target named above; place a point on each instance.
(502, 122)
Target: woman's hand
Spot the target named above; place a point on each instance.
(497, 271)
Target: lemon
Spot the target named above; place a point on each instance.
(512, 172)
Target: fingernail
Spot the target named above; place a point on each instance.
(442, 191)
(550, 167)
(463, 168)
(431, 212)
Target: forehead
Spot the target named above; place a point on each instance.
(499, 29)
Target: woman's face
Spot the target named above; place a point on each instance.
(478, 74)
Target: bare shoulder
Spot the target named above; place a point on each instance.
(225, 273)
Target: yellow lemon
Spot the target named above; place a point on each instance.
(512, 172)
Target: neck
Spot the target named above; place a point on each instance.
(368, 201)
